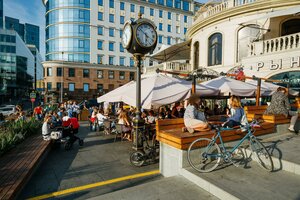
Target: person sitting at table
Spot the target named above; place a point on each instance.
(194, 120)
(174, 112)
(151, 119)
(125, 120)
(100, 117)
(46, 129)
(237, 114)
(280, 105)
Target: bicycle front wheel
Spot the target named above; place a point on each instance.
(137, 158)
(261, 155)
(204, 155)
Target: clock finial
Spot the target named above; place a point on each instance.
(140, 15)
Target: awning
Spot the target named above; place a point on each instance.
(180, 51)
(277, 13)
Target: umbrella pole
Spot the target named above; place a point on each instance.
(258, 91)
(194, 84)
(138, 122)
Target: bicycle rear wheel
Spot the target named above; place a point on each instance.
(137, 158)
(204, 155)
(261, 155)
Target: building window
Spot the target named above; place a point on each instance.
(131, 76)
(122, 19)
(196, 55)
(86, 87)
(81, 43)
(100, 16)
(290, 27)
(178, 17)
(178, 4)
(100, 30)
(151, 1)
(121, 33)
(169, 15)
(59, 71)
(160, 26)
(142, 9)
(160, 39)
(122, 6)
(111, 74)
(169, 28)
(169, 40)
(100, 87)
(100, 59)
(100, 74)
(151, 63)
(100, 2)
(111, 18)
(215, 49)
(111, 60)
(111, 46)
(186, 5)
(111, 32)
(177, 29)
(161, 2)
(86, 73)
(58, 86)
(49, 86)
(184, 30)
(151, 12)
(160, 14)
(121, 48)
(185, 19)
(100, 45)
(49, 71)
(122, 61)
(71, 72)
(170, 3)
(71, 87)
(111, 3)
(110, 87)
(132, 7)
(131, 62)
(121, 75)
(81, 29)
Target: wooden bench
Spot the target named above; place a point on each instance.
(169, 132)
(18, 165)
(254, 112)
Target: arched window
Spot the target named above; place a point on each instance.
(196, 55)
(215, 49)
(248, 34)
(290, 27)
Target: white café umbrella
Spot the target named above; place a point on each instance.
(229, 86)
(270, 88)
(156, 90)
(179, 51)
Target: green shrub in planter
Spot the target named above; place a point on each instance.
(15, 132)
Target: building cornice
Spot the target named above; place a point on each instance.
(236, 11)
(86, 65)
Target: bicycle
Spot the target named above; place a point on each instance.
(139, 157)
(204, 154)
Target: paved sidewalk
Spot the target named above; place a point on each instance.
(100, 159)
(174, 188)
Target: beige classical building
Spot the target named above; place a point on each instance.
(263, 36)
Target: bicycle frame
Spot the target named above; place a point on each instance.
(223, 148)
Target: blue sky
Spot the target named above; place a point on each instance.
(33, 12)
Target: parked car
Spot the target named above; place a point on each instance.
(7, 110)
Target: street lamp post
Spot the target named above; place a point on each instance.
(62, 79)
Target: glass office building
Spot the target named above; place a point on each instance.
(1, 13)
(29, 33)
(68, 30)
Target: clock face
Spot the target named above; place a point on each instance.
(146, 35)
(127, 35)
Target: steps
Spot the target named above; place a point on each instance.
(253, 182)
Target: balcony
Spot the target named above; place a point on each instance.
(274, 45)
(169, 66)
(211, 9)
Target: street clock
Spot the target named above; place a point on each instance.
(139, 37)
